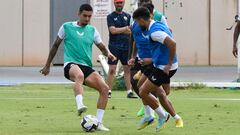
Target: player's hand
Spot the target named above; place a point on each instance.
(141, 62)
(147, 61)
(166, 69)
(131, 62)
(235, 51)
(128, 30)
(111, 57)
(45, 71)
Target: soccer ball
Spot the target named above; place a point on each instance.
(89, 123)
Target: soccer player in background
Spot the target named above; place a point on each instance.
(157, 15)
(78, 39)
(119, 34)
(164, 59)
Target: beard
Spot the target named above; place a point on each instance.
(143, 28)
(84, 24)
(119, 9)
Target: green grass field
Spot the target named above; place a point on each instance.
(50, 110)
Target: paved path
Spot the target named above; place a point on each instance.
(15, 75)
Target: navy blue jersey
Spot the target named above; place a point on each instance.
(119, 20)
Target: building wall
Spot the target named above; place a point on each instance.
(11, 33)
(222, 14)
(36, 32)
(199, 27)
(189, 23)
(25, 32)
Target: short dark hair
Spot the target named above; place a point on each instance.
(140, 2)
(85, 7)
(150, 7)
(141, 12)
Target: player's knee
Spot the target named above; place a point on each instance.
(104, 90)
(142, 94)
(162, 95)
(79, 78)
(167, 92)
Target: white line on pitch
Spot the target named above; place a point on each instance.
(53, 98)
(217, 99)
(35, 98)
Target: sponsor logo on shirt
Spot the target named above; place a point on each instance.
(80, 34)
(115, 19)
(153, 78)
(145, 36)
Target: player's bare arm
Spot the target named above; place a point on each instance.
(171, 44)
(106, 52)
(123, 30)
(235, 38)
(46, 69)
(132, 53)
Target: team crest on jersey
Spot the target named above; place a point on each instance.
(115, 19)
(125, 18)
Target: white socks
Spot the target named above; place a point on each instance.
(160, 112)
(79, 101)
(100, 112)
(99, 115)
(148, 111)
(129, 91)
(176, 117)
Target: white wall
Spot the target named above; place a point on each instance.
(11, 33)
(190, 25)
(200, 34)
(222, 16)
(36, 32)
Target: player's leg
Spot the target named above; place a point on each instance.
(154, 81)
(145, 92)
(123, 57)
(127, 78)
(133, 81)
(148, 112)
(135, 69)
(146, 71)
(75, 74)
(110, 77)
(112, 69)
(176, 117)
(95, 81)
(165, 102)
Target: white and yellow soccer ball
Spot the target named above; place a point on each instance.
(89, 123)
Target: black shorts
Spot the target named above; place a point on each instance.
(137, 66)
(147, 69)
(85, 69)
(121, 55)
(158, 77)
